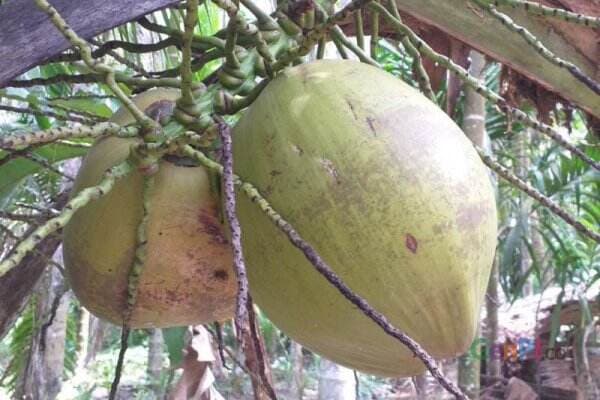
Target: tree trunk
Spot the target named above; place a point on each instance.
(335, 382)
(474, 128)
(42, 376)
(97, 329)
(254, 365)
(155, 361)
(297, 384)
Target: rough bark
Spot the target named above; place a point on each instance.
(27, 37)
(335, 382)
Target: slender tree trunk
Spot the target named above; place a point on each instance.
(474, 128)
(42, 377)
(492, 302)
(96, 332)
(297, 384)
(335, 382)
(155, 361)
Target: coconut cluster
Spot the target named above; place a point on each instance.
(377, 178)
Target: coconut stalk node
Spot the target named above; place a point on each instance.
(187, 278)
(391, 194)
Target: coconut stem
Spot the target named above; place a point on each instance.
(540, 9)
(52, 225)
(19, 141)
(374, 32)
(536, 44)
(474, 83)
(191, 18)
(418, 68)
(325, 270)
(532, 192)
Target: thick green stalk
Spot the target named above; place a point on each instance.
(191, 18)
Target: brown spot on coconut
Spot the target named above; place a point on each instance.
(404, 178)
(99, 241)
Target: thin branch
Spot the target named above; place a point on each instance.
(360, 33)
(46, 113)
(119, 368)
(326, 271)
(540, 9)
(534, 193)
(418, 68)
(52, 225)
(95, 78)
(108, 46)
(541, 49)
(19, 141)
(338, 34)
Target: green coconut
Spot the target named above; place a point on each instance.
(392, 195)
(187, 278)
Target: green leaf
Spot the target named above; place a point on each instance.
(89, 105)
(175, 340)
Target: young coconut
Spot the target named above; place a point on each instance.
(187, 278)
(391, 194)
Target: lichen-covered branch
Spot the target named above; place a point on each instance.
(52, 225)
(540, 9)
(19, 141)
(534, 193)
(326, 271)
